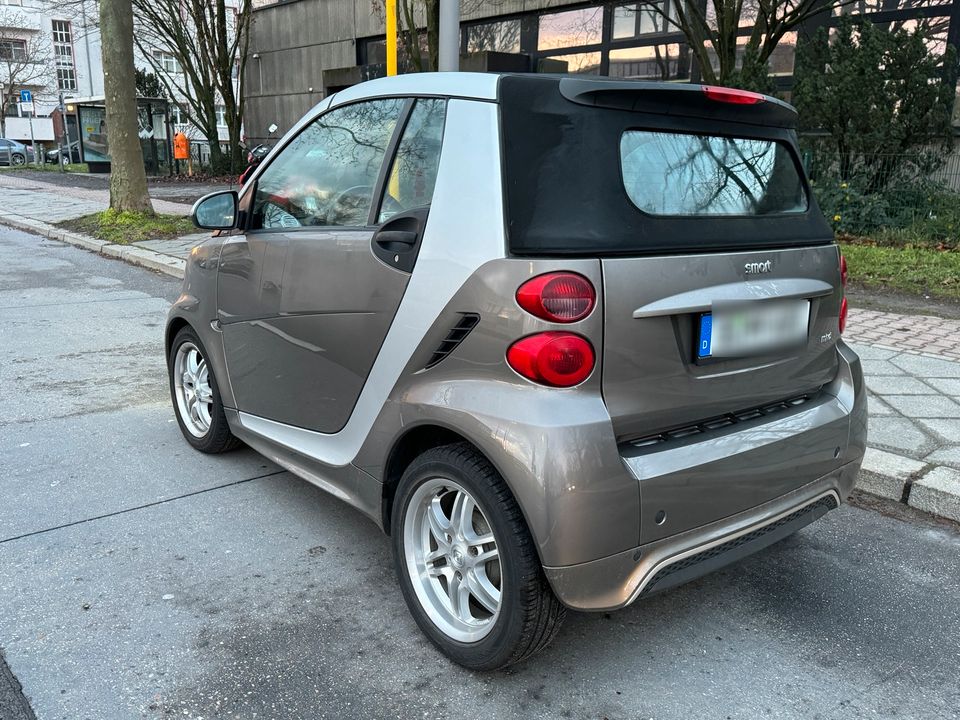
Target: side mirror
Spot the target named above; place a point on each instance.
(216, 211)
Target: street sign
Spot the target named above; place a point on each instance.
(26, 96)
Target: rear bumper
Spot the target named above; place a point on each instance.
(616, 581)
(835, 429)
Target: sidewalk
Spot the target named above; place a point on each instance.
(911, 362)
(36, 206)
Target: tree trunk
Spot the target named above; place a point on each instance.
(128, 179)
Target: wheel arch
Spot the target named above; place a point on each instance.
(414, 442)
(175, 325)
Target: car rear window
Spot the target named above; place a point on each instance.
(667, 173)
(628, 173)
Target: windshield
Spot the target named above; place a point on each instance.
(668, 173)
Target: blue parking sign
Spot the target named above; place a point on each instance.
(26, 96)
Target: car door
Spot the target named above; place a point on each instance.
(307, 296)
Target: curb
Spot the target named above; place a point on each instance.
(931, 488)
(132, 254)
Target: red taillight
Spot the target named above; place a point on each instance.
(843, 302)
(558, 359)
(558, 297)
(731, 95)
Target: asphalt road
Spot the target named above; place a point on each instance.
(140, 579)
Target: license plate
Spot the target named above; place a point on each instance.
(743, 329)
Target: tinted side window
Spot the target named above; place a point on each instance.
(327, 174)
(414, 170)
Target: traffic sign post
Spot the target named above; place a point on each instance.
(26, 100)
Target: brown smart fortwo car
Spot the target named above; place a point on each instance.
(569, 341)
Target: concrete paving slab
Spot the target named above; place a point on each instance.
(924, 406)
(885, 474)
(927, 367)
(948, 386)
(900, 434)
(949, 430)
(897, 385)
(877, 407)
(945, 456)
(880, 367)
(872, 352)
(938, 493)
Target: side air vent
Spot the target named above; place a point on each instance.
(705, 426)
(466, 323)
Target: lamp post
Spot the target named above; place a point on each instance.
(449, 51)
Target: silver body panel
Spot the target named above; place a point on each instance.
(321, 351)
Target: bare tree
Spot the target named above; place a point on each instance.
(712, 29)
(207, 40)
(25, 61)
(128, 179)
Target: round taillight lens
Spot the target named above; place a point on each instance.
(561, 297)
(843, 271)
(843, 315)
(557, 359)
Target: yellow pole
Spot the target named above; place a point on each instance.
(391, 37)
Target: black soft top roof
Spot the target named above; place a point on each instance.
(562, 179)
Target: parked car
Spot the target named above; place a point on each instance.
(71, 154)
(569, 341)
(14, 153)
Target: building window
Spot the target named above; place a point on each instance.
(63, 54)
(11, 2)
(221, 116)
(573, 28)
(651, 62)
(178, 115)
(12, 49)
(166, 62)
(494, 36)
(634, 20)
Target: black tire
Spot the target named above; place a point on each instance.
(218, 437)
(17, 159)
(530, 614)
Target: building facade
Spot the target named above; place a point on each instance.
(48, 49)
(51, 49)
(301, 50)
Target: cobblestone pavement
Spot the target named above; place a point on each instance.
(912, 334)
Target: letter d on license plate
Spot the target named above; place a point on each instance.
(744, 329)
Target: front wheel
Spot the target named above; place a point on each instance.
(467, 565)
(196, 397)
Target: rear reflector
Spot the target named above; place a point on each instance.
(558, 359)
(731, 95)
(558, 297)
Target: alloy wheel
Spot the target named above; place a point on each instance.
(191, 378)
(453, 560)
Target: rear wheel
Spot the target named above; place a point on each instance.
(467, 565)
(196, 397)
(17, 159)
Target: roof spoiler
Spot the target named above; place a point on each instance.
(680, 99)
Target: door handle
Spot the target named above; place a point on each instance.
(396, 240)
